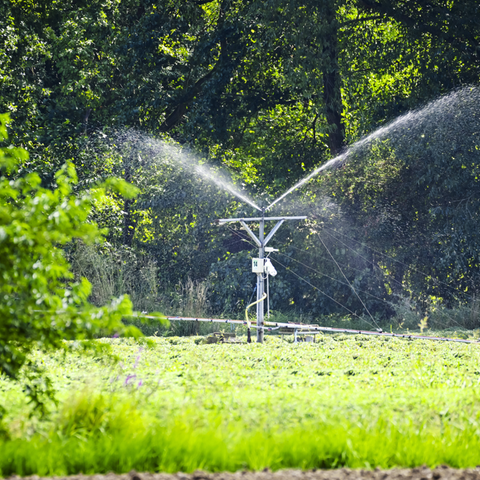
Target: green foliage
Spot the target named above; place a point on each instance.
(268, 90)
(232, 283)
(414, 196)
(41, 304)
(245, 82)
(178, 406)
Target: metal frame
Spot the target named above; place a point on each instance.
(261, 242)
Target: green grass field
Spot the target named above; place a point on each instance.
(177, 406)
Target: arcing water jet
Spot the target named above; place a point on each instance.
(406, 130)
(155, 149)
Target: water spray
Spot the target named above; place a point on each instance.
(157, 150)
(329, 164)
(420, 117)
(262, 266)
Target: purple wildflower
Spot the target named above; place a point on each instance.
(138, 357)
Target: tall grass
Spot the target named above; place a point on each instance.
(435, 315)
(99, 434)
(190, 299)
(120, 270)
(117, 271)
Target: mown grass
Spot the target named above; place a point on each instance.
(177, 406)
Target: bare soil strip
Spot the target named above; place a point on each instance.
(422, 473)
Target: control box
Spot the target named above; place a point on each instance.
(258, 265)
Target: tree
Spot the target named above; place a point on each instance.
(268, 90)
(415, 196)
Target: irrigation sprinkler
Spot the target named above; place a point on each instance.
(260, 265)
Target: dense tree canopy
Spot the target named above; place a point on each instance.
(264, 91)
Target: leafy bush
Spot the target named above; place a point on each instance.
(41, 304)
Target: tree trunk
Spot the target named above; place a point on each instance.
(332, 86)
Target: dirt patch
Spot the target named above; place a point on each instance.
(421, 473)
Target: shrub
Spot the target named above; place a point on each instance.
(40, 303)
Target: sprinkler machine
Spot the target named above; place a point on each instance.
(261, 266)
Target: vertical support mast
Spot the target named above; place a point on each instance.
(260, 280)
(261, 243)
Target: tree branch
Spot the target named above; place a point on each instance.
(359, 20)
(181, 108)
